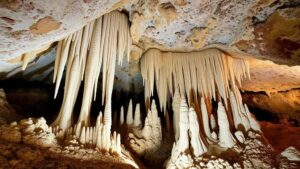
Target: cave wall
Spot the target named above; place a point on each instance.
(281, 105)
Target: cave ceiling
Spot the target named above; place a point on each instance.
(266, 30)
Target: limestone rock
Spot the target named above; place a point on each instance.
(291, 153)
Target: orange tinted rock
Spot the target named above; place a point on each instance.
(278, 38)
(282, 135)
(44, 25)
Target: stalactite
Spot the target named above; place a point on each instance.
(95, 47)
(205, 72)
(62, 62)
(168, 122)
(205, 119)
(176, 112)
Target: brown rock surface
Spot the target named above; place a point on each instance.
(269, 77)
(282, 104)
(24, 156)
(44, 25)
(7, 113)
(277, 39)
(281, 135)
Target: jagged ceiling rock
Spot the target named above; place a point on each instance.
(284, 104)
(277, 39)
(250, 26)
(269, 77)
(264, 29)
(27, 25)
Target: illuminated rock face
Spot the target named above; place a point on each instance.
(193, 80)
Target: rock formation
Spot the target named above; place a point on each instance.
(192, 58)
(218, 71)
(226, 139)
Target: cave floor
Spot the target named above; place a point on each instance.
(24, 156)
(281, 135)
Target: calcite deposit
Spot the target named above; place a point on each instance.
(149, 84)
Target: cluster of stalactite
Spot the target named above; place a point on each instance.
(93, 49)
(206, 72)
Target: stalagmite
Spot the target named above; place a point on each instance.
(99, 119)
(225, 137)
(190, 144)
(245, 119)
(214, 135)
(237, 119)
(118, 149)
(240, 136)
(87, 135)
(82, 136)
(114, 141)
(205, 120)
(152, 124)
(129, 116)
(77, 130)
(183, 141)
(148, 141)
(95, 134)
(122, 116)
(213, 123)
(137, 116)
(197, 144)
(99, 135)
